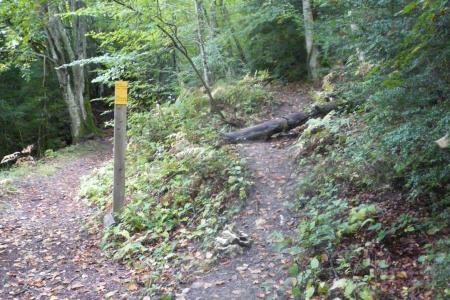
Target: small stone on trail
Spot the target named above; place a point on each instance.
(108, 220)
(255, 271)
(242, 268)
(76, 285)
(197, 285)
(230, 242)
(260, 223)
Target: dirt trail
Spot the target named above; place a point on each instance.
(258, 274)
(45, 249)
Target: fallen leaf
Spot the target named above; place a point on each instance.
(76, 285)
(255, 271)
(402, 275)
(443, 142)
(110, 294)
(242, 268)
(260, 223)
(207, 285)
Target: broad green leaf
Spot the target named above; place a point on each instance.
(309, 292)
(314, 263)
(382, 264)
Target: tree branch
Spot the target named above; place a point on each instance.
(178, 44)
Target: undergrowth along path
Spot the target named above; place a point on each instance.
(46, 251)
(259, 272)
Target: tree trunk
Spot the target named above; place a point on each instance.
(311, 48)
(67, 44)
(265, 130)
(201, 42)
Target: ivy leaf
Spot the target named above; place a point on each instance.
(314, 263)
(382, 264)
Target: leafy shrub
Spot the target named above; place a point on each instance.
(400, 106)
(383, 140)
(179, 188)
(438, 261)
(327, 220)
(243, 100)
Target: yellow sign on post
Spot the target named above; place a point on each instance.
(120, 145)
(121, 92)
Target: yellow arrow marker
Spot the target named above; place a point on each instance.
(121, 92)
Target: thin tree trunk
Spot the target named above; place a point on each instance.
(201, 42)
(176, 42)
(311, 48)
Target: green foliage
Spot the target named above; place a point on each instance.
(393, 64)
(358, 218)
(242, 101)
(179, 188)
(389, 61)
(438, 267)
(30, 112)
(404, 91)
(274, 39)
(326, 222)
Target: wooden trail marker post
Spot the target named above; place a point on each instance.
(120, 144)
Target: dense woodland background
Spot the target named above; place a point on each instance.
(198, 67)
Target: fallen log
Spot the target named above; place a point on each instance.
(12, 158)
(265, 130)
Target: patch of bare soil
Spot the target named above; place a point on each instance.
(259, 273)
(46, 251)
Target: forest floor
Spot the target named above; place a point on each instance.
(48, 252)
(258, 273)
